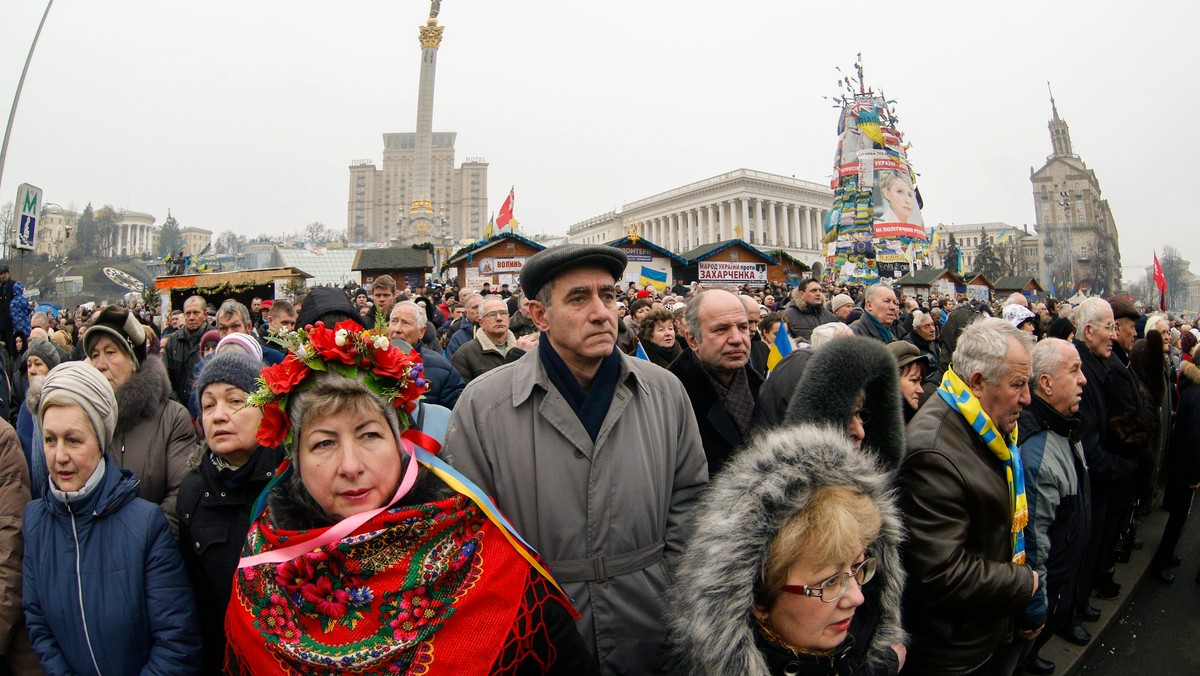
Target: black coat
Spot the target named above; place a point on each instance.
(1183, 456)
(717, 429)
(214, 517)
(1104, 467)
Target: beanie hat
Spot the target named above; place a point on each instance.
(1061, 328)
(43, 349)
(245, 342)
(211, 337)
(1187, 342)
(840, 301)
(124, 329)
(234, 367)
(79, 383)
(328, 305)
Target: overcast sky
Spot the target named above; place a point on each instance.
(246, 115)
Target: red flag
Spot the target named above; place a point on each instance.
(1160, 280)
(506, 212)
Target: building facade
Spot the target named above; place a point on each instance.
(766, 210)
(1017, 248)
(1078, 247)
(55, 232)
(135, 235)
(380, 199)
(195, 239)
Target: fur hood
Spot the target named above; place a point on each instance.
(744, 507)
(1190, 371)
(143, 396)
(829, 387)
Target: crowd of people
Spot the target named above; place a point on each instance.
(576, 475)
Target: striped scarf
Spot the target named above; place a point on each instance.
(956, 393)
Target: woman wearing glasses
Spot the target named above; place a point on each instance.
(793, 568)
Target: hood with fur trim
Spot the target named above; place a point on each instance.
(829, 388)
(143, 396)
(743, 508)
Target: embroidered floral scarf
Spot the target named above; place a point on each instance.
(383, 600)
(956, 393)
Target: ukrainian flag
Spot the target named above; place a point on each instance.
(641, 352)
(781, 348)
(652, 277)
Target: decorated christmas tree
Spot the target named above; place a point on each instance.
(874, 229)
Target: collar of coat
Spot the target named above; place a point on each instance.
(510, 341)
(529, 372)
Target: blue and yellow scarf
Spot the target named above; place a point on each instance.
(956, 393)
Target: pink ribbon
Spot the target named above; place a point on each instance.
(342, 528)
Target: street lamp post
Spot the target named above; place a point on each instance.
(12, 113)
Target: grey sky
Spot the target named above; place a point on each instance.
(246, 115)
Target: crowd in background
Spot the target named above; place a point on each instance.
(916, 483)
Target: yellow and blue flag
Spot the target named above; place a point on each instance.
(641, 352)
(781, 348)
(652, 277)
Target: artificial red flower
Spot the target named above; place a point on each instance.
(325, 342)
(274, 426)
(285, 375)
(392, 362)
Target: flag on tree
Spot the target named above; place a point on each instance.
(505, 220)
(1160, 280)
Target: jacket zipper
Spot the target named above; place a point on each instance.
(79, 585)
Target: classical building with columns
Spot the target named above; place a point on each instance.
(135, 234)
(768, 211)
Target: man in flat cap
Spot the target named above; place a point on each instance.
(594, 456)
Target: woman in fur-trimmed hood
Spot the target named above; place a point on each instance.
(730, 612)
(154, 435)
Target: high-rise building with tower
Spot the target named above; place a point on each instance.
(418, 195)
(1078, 247)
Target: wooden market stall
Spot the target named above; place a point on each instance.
(730, 263)
(216, 287)
(497, 260)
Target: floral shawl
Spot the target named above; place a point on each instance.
(390, 598)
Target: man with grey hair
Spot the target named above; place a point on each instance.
(880, 310)
(1016, 298)
(961, 490)
(491, 344)
(776, 392)
(407, 322)
(233, 317)
(716, 373)
(182, 352)
(1060, 511)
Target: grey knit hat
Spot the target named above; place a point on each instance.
(79, 383)
(236, 368)
(43, 349)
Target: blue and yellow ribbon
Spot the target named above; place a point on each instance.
(960, 397)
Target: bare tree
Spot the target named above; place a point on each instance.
(315, 233)
(229, 242)
(1175, 270)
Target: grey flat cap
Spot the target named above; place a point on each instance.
(545, 265)
(906, 353)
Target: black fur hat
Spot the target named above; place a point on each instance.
(123, 327)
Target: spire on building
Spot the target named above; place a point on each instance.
(1060, 134)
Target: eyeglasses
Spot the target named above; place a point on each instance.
(863, 415)
(1110, 327)
(834, 586)
(496, 313)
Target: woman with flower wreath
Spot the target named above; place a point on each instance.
(372, 555)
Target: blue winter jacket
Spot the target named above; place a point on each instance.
(135, 613)
(445, 383)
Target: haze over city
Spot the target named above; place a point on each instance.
(246, 116)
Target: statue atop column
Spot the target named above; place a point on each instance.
(435, 7)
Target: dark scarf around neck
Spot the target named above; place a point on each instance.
(591, 406)
(884, 331)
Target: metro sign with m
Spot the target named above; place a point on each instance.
(29, 198)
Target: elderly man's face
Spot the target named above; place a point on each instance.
(1125, 333)
(193, 315)
(882, 305)
(1098, 336)
(723, 345)
(1066, 386)
(403, 324)
(753, 314)
(473, 309)
(493, 318)
(581, 320)
(232, 323)
(1003, 399)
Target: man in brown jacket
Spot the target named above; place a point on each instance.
(966, 575)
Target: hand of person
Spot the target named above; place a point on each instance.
(901, 652)
(527, 342)
(1035, 584)
(1030, 634)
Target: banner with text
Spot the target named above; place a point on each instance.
(724, 272)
